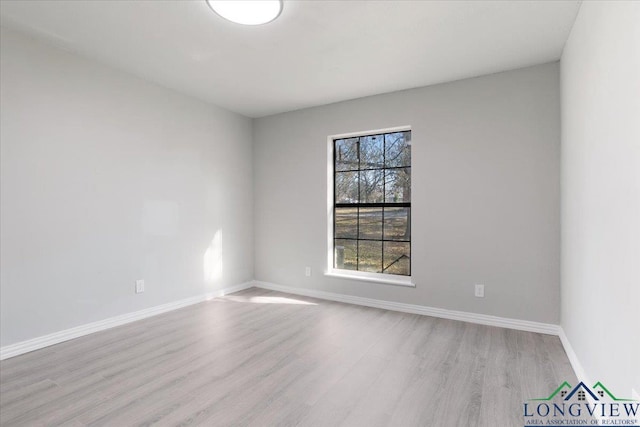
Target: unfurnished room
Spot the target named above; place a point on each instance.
(354, 213)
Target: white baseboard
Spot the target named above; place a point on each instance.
(573, 358)
(89, 328)
(482, 319)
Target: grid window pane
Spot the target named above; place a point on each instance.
(372, 152)
(346, 187)
(397, 185)
(397, 224)
(346, 154)
(370, 223)
(397, 148)
(397, 258)
(345, 254)
(372, 186)
(370, 256)
(346, 223)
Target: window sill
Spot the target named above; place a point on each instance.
(396, 280)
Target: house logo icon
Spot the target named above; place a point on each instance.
(582, 393)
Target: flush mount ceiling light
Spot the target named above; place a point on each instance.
(247, 12)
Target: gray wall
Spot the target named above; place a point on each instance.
(106, 179)
(486, 205)
(601, 193)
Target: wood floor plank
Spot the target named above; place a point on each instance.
(264, 358)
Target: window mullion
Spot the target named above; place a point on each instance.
(384, 195)
(358, 210)
(335, 143)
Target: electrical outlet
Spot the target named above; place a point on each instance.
(307, 271)
(139, 286)
(480, 291)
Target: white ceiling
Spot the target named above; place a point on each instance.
(315, 53)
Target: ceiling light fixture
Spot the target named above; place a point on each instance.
(247, 12)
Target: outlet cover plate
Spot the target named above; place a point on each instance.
(139, 286)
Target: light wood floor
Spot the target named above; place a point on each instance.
(262, 358)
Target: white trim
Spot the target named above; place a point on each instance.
(330, 200)
(581, 374)
(89, 328)
(482, 319)
(579, 370)
(371, 277)
(573, 358)
(371, 132)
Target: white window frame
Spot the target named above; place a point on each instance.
(388, 279)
